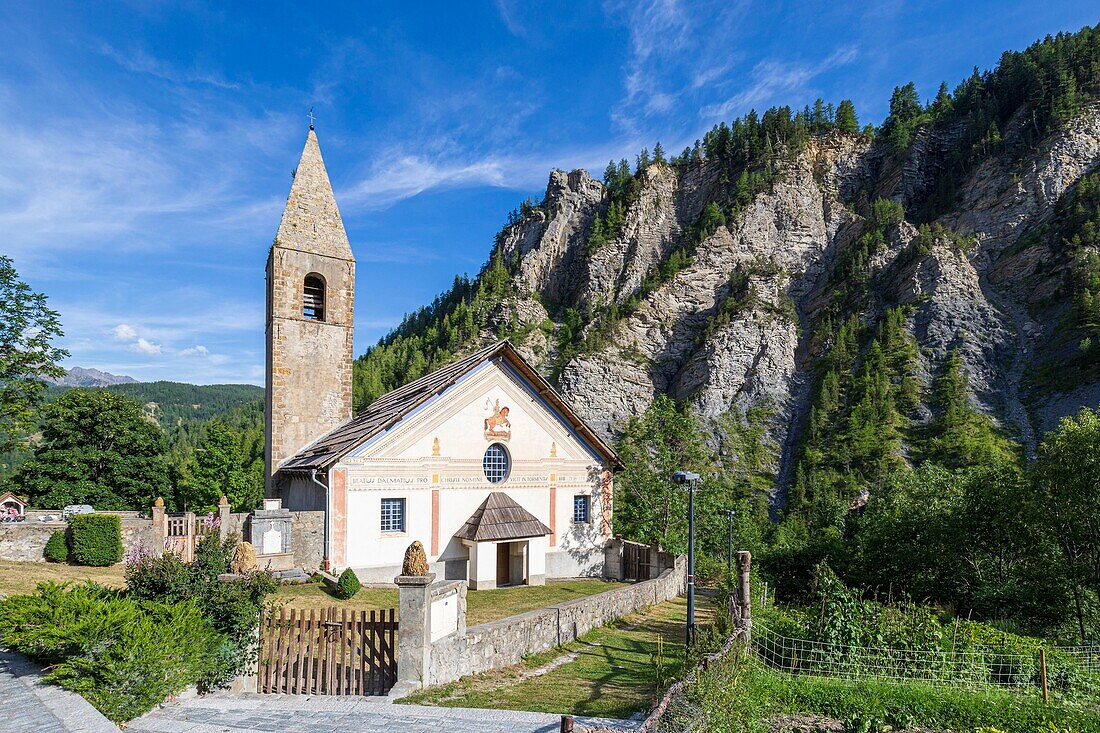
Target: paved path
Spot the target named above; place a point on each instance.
(28, 705)
(249, 713)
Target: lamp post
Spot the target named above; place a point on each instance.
(689, 479)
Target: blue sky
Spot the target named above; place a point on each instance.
(146, 147)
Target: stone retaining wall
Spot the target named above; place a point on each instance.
(507, 641)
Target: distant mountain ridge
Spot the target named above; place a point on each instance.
(81, 377)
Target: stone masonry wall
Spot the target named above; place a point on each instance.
(24, 542)
(507, 641)
(307, 531)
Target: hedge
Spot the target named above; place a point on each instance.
(57, 547)
(95, 539)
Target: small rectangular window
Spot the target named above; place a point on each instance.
(580, 509)
(393, 515)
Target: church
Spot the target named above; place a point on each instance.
(482, 461)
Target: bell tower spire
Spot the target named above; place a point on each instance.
(310, 318)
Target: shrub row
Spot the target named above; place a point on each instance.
(232, 607)
(174, 626)
(122, 654)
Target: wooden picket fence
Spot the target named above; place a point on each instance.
(328, 652)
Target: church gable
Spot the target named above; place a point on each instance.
(387, 420)
(494, 403)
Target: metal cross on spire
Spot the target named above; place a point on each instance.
(311, 118)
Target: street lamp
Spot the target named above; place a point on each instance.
(689, 479)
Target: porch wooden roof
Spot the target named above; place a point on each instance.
(499, 519)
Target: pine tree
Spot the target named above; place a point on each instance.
(943, 105)
(846, 120)
(658, 153)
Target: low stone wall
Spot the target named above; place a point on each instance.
(507, 641)
(307, 531)
(25, 541)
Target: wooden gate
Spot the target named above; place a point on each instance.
(328, 652)
(636, 558)
(183, 531)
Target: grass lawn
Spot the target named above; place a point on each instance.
(612, 671)
(739, 695)
(19, 578)
(481, 605)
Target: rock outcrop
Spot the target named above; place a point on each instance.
(768, 273)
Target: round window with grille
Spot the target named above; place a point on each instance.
(496, 463)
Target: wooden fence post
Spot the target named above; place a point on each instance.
(1043, 673)
(744, 591)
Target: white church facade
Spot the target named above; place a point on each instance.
(482, 461)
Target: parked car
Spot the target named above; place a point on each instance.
(73, 509)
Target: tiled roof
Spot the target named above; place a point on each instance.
(500, 518)
(390, 408)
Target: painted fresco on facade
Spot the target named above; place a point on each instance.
(497, 426)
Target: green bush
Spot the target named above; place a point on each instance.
(233, 607)
(348, 584)
(96, 539)
(123, 655)
(57, 547)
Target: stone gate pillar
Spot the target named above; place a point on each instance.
(223, 518)
(160, 528)
(414, 630)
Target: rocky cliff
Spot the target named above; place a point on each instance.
(735, 327)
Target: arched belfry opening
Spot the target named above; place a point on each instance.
(313, 298)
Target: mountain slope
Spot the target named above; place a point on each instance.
(828, 275)
(81, 377)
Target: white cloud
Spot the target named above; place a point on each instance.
(141, 62)
(198, 350)
(772, 80)
(412, 174)
(142, 346)
(124, 332)
(508, 11)
(670, 42)
(409, 175)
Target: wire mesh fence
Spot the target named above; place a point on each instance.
(1075, 667)
(1072, 671)
(1087, 657)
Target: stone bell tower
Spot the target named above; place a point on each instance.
(310, 300)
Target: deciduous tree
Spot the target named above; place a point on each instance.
(97, 448)
(28, 329)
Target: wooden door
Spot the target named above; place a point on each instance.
(504, 566)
